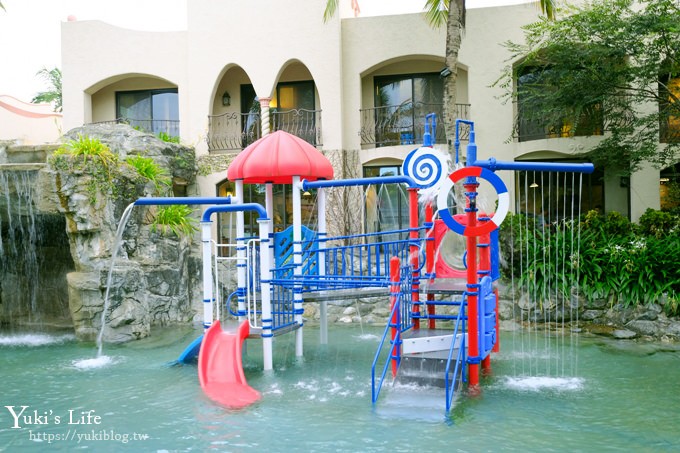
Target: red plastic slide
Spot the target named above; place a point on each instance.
(220, 370)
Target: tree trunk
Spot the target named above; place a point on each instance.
(454, 27)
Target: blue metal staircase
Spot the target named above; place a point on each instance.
(434, 357)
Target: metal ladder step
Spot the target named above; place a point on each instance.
(422, 344)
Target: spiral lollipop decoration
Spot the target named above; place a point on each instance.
(426, 166)
(501, 210)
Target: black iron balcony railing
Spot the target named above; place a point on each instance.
(302, 123)
(232, 131)
(235, 131)
(403, 124)
(169, 127)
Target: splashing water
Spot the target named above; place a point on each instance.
(89, 364)
(114, 252)
(540, 383)
(368, 337)
(34, 339)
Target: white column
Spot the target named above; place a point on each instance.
(321, 222)
(241, 263)
(264, 115)
(265, 287)
(206, 229)
(297, 262)
(644, 191)
(269, 206)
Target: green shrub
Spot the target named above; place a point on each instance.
(608, 256)
(150, 170)
(175, 219)
(90, 156)
(167, 138)
(89, 149)
(610, 225)
(658, 223)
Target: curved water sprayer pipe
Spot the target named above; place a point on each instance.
(206, 237)
(265, 270)
(166, 201)
(262, 212)
(494, 165)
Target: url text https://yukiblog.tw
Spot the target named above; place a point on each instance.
(80, 426)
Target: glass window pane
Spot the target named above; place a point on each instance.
(134, 105)
(165, 113)
(150, 110)
(394, 92)
(428, 89)
(165, 106)
(386, 205)
(295, 95)
(394, 111)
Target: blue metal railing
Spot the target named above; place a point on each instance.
(461, 357)
(375, 387)
(400, 321)
(364, 264)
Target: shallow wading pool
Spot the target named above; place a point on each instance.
(600, 395)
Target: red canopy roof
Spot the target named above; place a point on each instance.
(276, 158)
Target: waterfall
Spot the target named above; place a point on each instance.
(19, 264)
(34, 253)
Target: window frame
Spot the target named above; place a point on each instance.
(151, 93)
(409, 133)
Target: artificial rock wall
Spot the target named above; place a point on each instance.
(155, 277)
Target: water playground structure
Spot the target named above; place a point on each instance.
(443, 322)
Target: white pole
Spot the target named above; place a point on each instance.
(269, 206)
(269, 201)
(241, 264)
(297, 262)
(265, 287)
(321, 222)
(206, 235)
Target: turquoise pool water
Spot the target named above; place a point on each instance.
(545, 394)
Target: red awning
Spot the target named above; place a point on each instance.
(276, 158)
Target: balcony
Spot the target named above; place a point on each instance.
(232, 132)
(226, 134)
(302, 123)
(169, 127)
(403, 124)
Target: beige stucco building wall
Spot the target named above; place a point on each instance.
(28, 124)
(263, 42)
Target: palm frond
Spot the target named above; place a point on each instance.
(331, 8)
(436, 12)
(548, 8)
(54, 92)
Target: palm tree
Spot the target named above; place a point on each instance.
(53, 94)
(438, 13)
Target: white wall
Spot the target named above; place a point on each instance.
(28, 124)
(95, 54)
